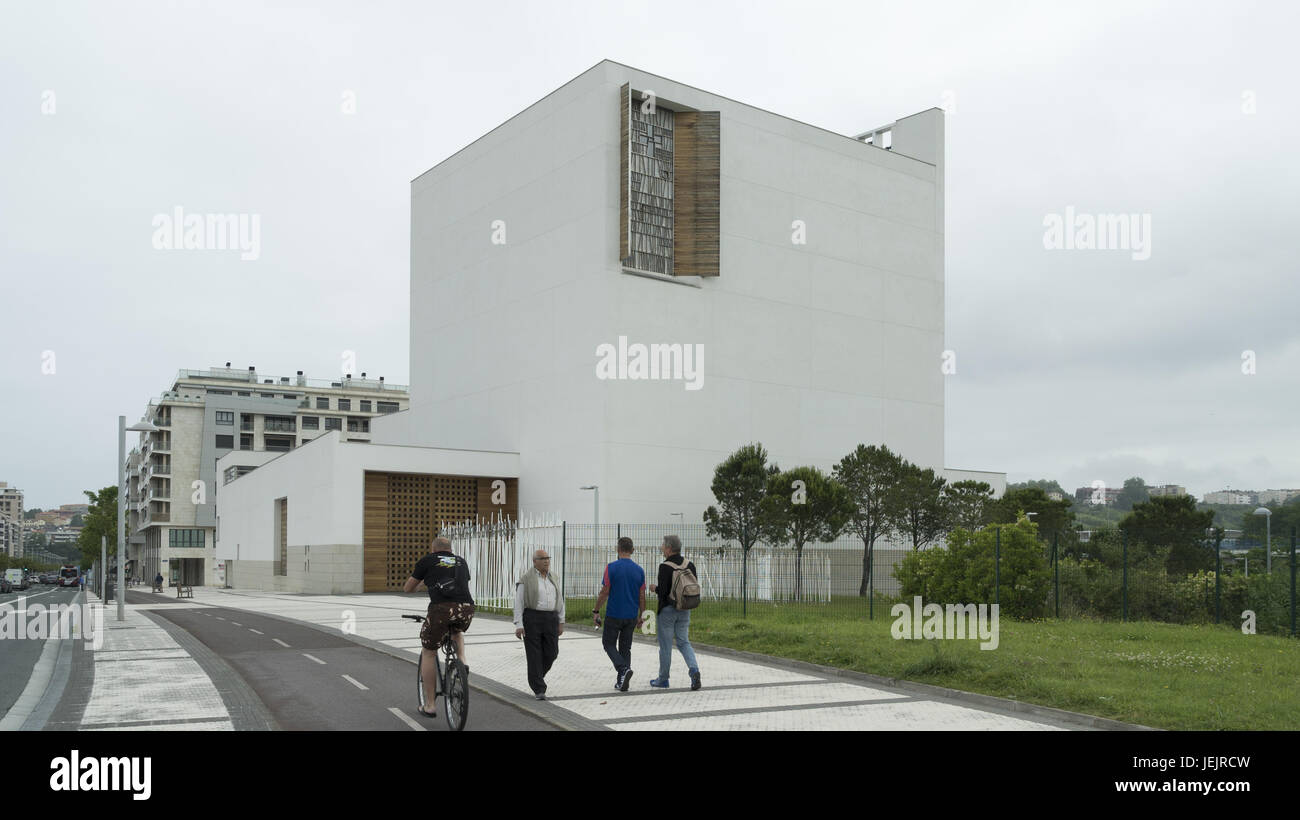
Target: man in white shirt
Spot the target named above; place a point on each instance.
(539, 619)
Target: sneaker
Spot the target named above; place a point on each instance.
(541, 696)
(695, 680)
(659, 683)
(624, 680)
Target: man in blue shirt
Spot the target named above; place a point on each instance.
(624, 588)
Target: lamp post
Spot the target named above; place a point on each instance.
(681, 520)
(142, 427)
(595, 512)
(1268, 537)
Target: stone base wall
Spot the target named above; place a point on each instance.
(321, 569)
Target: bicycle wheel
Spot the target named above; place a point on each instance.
(456, 695)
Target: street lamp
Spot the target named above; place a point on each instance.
(681, 520)
(142, 427)
(595, 512)
(1268, 536)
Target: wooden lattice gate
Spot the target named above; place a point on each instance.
(401, 516)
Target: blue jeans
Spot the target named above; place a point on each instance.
(674, 626)
(619, 630)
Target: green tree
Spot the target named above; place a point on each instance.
(1050, 516)
(78, 520)
(1174, 523)
(1047, 485)
(803, 505)
(739, 484)
(1285, 516)
(100, 520)
(868, 474)
(963, 572)
(1134, 492)
(969, 504)
(916, 507)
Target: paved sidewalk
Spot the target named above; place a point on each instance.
(138, 656)
(738, 694)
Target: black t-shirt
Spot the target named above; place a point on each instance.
(446, 576)
(664, 586)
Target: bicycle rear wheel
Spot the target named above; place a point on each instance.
(456, 695)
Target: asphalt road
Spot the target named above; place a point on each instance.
(18, 657)
(311, 680)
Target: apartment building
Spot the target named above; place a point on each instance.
(11, 511)
(11, 537)
(1166, 491)
(1230, 497)
(1085, 495)
(172, 479)
(1276, 496)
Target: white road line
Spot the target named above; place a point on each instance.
(219, 618)
(356, 683)
(407, 719)
(281, 643)
(313, 657)
(232, 623)
(250, 629)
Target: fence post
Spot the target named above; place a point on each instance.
(1056, 570)
(871, 583)
(1218, 594)
(1293, 582)
(564, 526)
(1124, 538)
(997, 566)
(744, 582)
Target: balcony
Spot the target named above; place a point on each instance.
(280, 426)
(246, 426)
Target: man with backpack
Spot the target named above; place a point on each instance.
(679, 592)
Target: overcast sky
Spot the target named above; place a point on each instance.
(1070, 364)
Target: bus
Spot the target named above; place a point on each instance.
(69, 575)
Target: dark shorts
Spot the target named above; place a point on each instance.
(441, 617)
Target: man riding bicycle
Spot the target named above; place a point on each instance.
(451, 607)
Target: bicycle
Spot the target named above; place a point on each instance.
(453, 677)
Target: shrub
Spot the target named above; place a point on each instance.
(963, 573)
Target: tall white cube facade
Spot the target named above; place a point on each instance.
(822, 330)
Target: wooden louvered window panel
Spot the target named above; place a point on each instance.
(669, 181)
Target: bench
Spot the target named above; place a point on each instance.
(184, 591)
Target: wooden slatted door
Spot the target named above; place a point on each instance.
(402, 513)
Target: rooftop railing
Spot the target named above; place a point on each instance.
(251, 378)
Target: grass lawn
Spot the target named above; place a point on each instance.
(1162, 675)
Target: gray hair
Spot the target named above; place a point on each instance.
(441, 543)
(674, 544)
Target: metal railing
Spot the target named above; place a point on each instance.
(730, 578)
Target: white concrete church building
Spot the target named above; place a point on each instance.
(789, 279)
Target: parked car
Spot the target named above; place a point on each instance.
(16, 578)
(5, 586)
